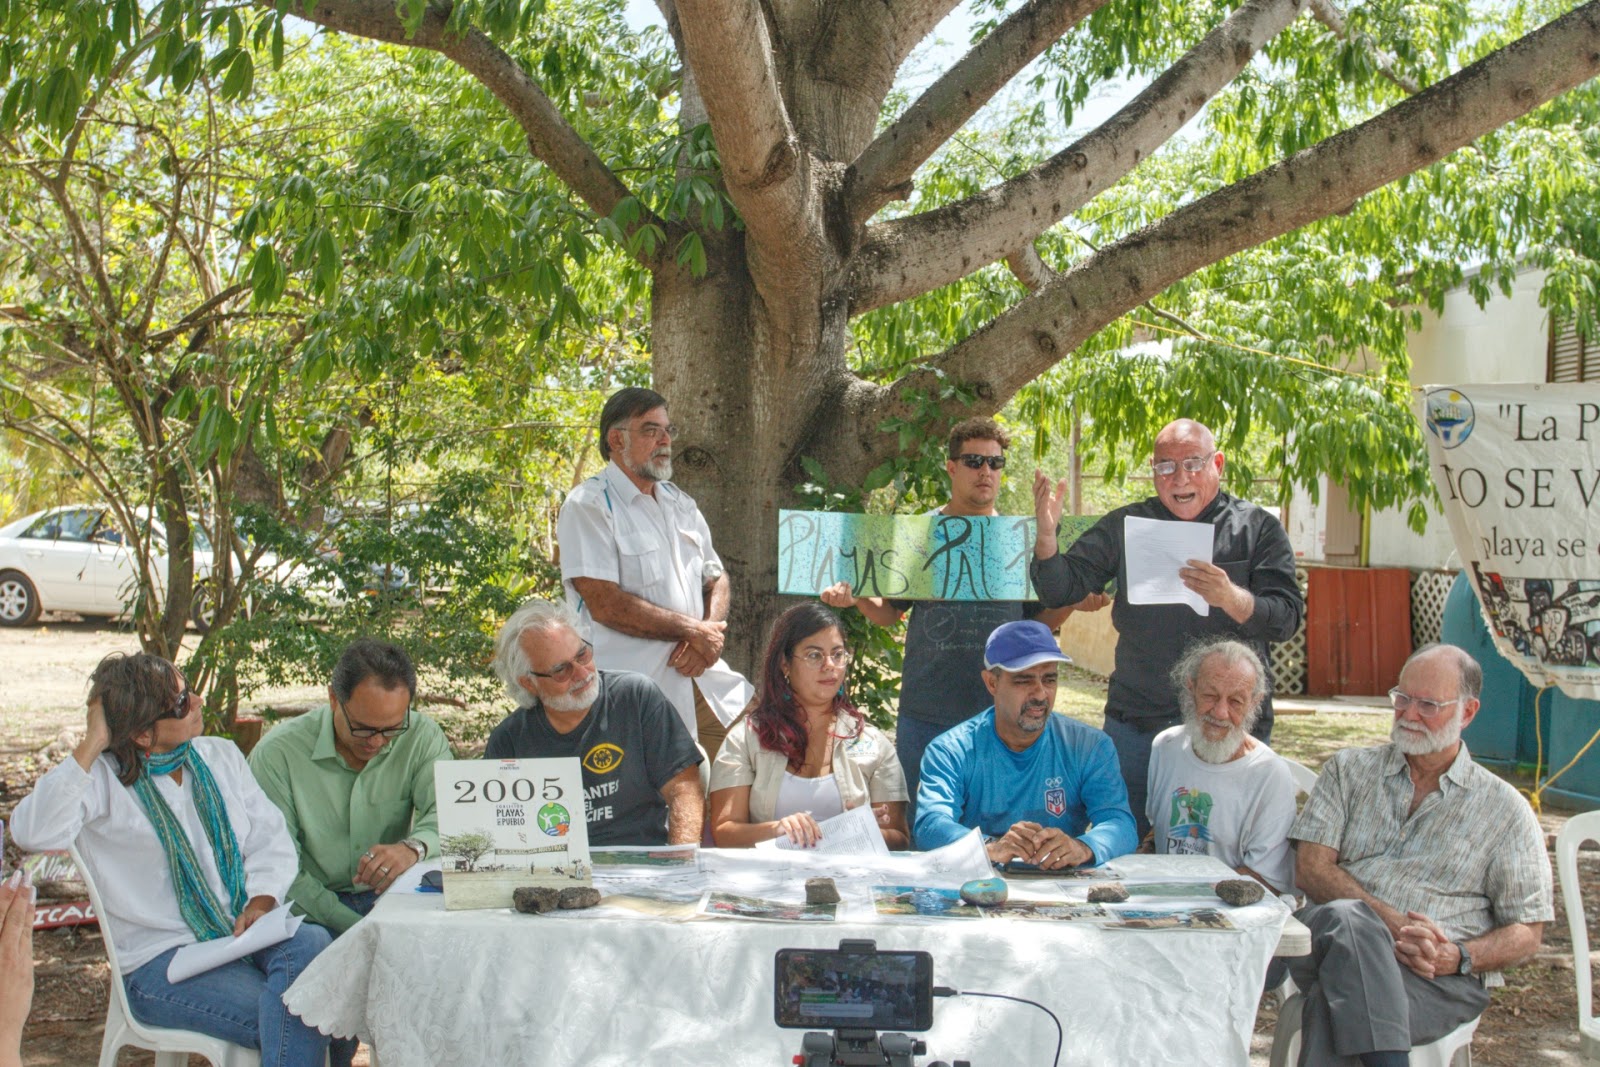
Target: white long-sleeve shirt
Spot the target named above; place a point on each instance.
(119, 844)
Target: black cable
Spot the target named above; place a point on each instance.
(946, 991)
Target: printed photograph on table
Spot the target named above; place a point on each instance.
(670, 858)
(505, 824)
(1055, 910)
(1197, 919)
(1172, 890)
(1106, 872)
(733, 906)
(922, 901)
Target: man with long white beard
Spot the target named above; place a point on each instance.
(641, 778)
(1427, 876)
(1214, 789)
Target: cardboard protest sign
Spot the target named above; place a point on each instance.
(913, 557)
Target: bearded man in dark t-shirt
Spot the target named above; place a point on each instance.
(641, 777)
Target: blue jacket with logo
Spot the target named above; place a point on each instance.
(1068, 778)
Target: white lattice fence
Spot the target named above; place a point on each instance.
(1289, 657)
(1429, 590)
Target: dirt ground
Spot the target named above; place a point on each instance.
(1532, 1021)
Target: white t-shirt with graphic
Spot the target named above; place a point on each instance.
(1240, 811)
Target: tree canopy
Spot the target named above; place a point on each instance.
(826, 271)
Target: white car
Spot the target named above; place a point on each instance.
(74, 559)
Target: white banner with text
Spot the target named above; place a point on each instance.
(1518, 469)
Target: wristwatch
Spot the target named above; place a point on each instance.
(416, 846)
(1465, 966)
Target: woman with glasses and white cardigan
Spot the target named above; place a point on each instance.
(183, 847)
(803, 752)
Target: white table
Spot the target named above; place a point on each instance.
(430, 987)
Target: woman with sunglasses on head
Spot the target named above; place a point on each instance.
(803, 753)
(184, 847)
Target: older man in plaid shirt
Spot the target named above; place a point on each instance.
(1427, 876)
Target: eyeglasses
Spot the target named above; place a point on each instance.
(974, 462)
(365, 732)
(1166, 468)
(562, 671)
(654, 431)
(814, 658)
(180, 707)
(1426, 708)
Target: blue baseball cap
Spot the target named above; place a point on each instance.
(1016, 646)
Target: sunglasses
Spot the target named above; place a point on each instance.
(180, 707)
(974, 462)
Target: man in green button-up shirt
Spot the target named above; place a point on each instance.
(354, 781)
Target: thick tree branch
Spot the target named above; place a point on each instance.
(883, 172)
(915, 255)
(550, 137)
(914, 20)
(1320, 181)
(726, 44)
(1328, 13)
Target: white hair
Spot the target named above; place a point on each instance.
(510, 661)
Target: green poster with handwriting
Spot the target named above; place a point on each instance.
(912, 557)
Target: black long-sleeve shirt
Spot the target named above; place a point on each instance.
(1250, 545)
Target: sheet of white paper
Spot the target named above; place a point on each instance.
(275, 926)
(1154, 551)
(853, 832)
(724, 687)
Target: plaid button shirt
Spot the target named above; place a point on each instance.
(1471, 857)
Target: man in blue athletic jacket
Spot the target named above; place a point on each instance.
(1044, 789)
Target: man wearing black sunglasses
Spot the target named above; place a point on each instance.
(1248, 583)
(942, 683)
(354, 781)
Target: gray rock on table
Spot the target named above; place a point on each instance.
(1239, 891)
(533, 899)
(821, 891)
(1108, 893)
(579, 896)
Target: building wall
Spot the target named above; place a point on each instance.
(1507, 340)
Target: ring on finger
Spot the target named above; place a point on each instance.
(383, 870)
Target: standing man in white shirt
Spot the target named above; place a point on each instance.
(637, 561)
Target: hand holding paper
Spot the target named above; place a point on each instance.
(275, 926)
(1156, 551)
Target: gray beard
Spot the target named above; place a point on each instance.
(579, 701)
(1427, 742)
(656, 468)
(1210, 751)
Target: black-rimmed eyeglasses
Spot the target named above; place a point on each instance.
(365, 732)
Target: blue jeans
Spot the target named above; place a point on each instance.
(911, 737)
(241, 1002)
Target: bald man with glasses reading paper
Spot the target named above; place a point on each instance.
(1248, 585)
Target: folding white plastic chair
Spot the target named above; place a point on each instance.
(172, 1047)
(1579, 828)
(1452, 1050)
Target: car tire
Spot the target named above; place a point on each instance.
(203, 607)
(19, 600)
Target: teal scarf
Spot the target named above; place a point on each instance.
(201, 910)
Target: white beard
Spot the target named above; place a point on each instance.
(1425, 742)
(576, 701)
(1211, 751)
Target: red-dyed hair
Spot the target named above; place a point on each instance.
(776, 720)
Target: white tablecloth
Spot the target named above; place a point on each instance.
(429, 987)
